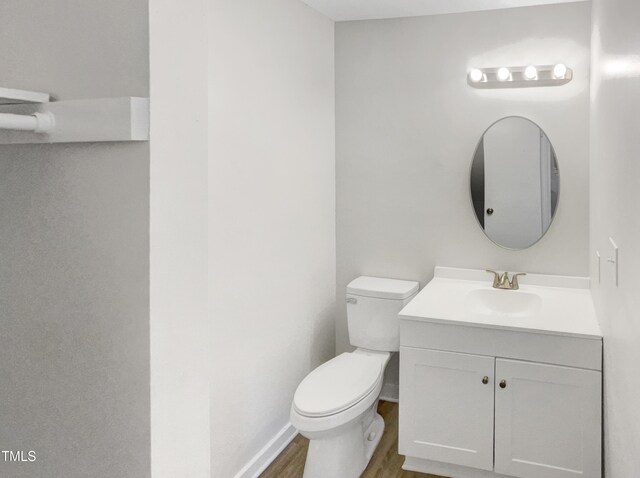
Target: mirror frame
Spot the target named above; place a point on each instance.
(473, 211)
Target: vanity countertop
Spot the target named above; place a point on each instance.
(544, 304)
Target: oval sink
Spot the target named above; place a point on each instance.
(513, 303)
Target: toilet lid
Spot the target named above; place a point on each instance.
(337, 384)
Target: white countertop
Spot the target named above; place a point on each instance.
(564, 307)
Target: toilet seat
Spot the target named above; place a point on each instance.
(338, 384)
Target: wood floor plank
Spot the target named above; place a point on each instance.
(385, 462)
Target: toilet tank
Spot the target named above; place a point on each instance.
(373, 304)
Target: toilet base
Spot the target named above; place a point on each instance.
(373, 436)
(346, 454)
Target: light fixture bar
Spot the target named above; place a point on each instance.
(519, 76)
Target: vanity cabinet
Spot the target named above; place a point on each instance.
(469, 415)
(501, 384)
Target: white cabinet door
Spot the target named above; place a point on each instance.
(446, 411)
(548, 421)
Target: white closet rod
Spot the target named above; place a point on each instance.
(36, 122)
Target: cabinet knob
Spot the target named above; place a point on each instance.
(490, 211)
(485, 380)
(503, 384)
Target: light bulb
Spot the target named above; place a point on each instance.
(530, 72)
(559, 71)
(504, 74)
(476, 75)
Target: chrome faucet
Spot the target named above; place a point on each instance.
(503, 282)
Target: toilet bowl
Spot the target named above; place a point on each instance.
(335, 406)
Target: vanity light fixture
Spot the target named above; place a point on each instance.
(519, 76)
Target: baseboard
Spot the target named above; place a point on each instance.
(389, 392)
(389, 399)
(269, 452)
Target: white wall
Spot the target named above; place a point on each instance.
(615, 174)
(271, 216)
(407, 125)
(74, 251)
(180, 445)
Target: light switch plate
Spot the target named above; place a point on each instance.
(613, 259)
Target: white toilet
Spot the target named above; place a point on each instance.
(335, 405)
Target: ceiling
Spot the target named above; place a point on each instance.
(344, 10)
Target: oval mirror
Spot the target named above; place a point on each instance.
(515, 182)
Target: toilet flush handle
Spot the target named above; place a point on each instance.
(352, 300)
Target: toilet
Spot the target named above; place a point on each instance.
(335, 406)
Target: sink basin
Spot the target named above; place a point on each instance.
(513, 303)
(547, 304)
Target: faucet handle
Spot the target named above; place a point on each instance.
(496, 277)
(514, 280)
